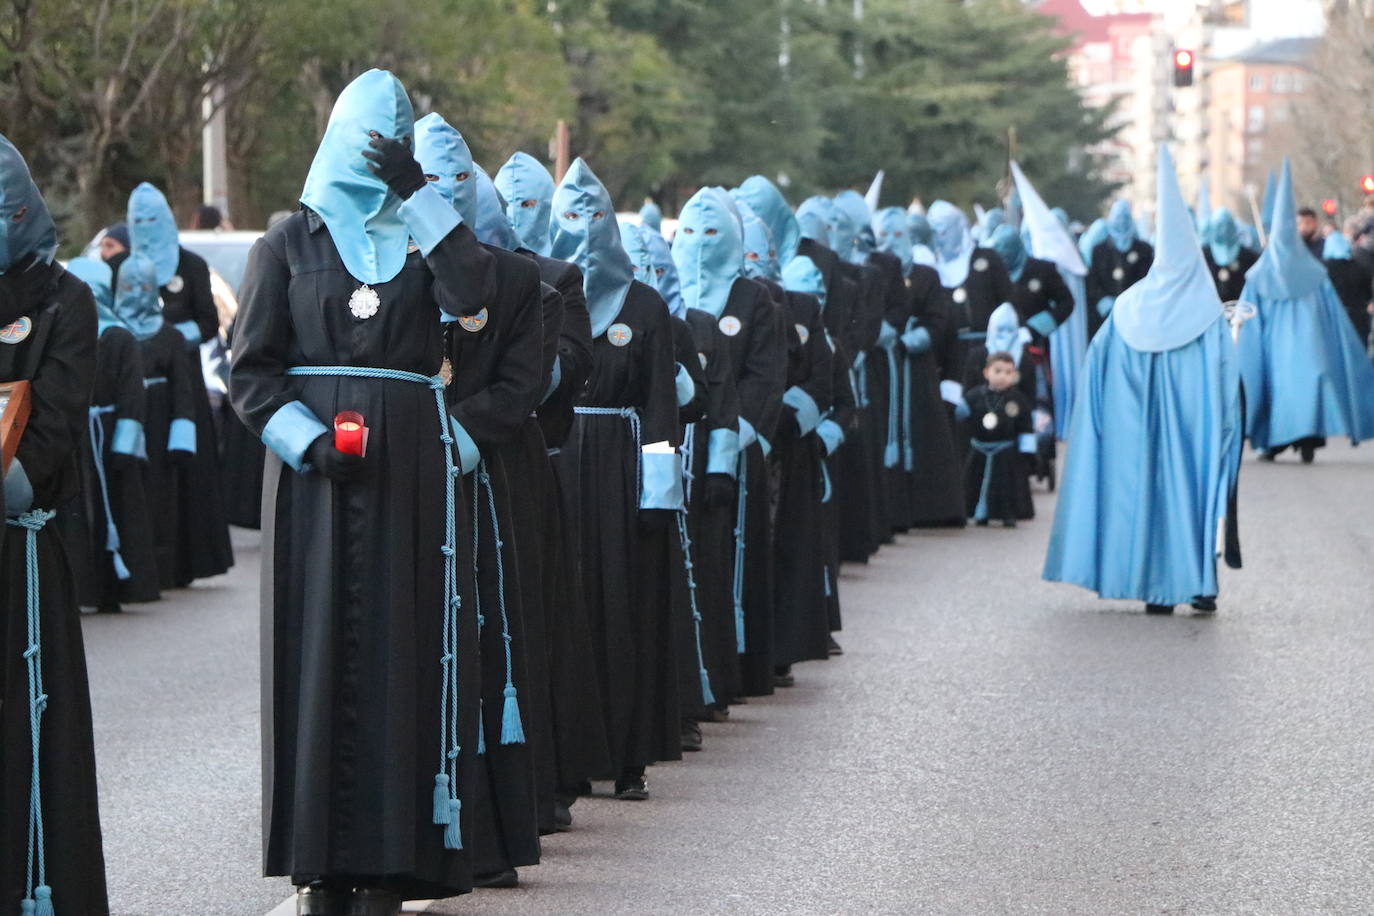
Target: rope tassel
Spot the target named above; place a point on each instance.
(453, 831)
(512, 731)
(441, 799)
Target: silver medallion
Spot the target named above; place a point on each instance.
(473, 323)
(1118, 274)
(989, 421)
(17, 332)
(619, 335)
(1013, 409)
(1034, 285)
(176, 284)
(1223, 275)
(1132, 257)
(364, 302)
(980, 265)
(960, 295)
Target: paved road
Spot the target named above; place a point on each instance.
(988, 744)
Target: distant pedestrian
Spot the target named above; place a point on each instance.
(1310, 231)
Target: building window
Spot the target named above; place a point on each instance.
(1297, 84)
(1283, 82)
(1256, 83)
(1254, 122)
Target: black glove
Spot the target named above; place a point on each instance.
(719, 491)
(654, 520)
(338, 466)
(393, 162)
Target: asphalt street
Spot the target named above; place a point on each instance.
(989, 743)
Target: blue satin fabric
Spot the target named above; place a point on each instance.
(665, 278)
(1286, 269)
(1222, 236)
(708, 250)
(528, 189)
(801, 275)
(1007, 242)
(1093, 236)
(32, 233)
(1121, 228)
(1337, 248)
(651, 217)
(587, 235)
(816, 218)
(764, 198)
(953, 244)
(153, 231)
(1068, 347)
(892, 234)
(443, 153)
(96, 274)
(1156, 441)
(492, 226)
(1005, 333)
(760, 255)
(1267, 206)
(920, 230)
(853, 233)
(136, 305)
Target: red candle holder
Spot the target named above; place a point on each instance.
(350, 433)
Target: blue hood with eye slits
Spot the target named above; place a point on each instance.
(767, 202)
(708, 250)
(153, 231)
(26, 226)
(588, 235)
(443, 153)
(760, 257)
(892, 231)
(528, 189)
(136, 305)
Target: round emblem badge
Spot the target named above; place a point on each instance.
(803, 332)
(980, 264)
(473, 323)
(16, 332)
(729, 325)
(960, 295)
(908, 283)
(1132, 257)
(1223, 275)
(1034, 285)
(1118, 274)
(176, 284)
(1013, 409)
(619, 335)
(364, 302)
(701, 358)
(989, 421)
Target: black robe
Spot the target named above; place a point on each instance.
(353, 575)
(1230, 278)
(683, 625)
(169, 380)
(860, 483)
(602, 451)
(1008, 480)
(202, 525)
(241, 462)
(971, 304)
(1112, 272)
(59, 358)
(1352, 281)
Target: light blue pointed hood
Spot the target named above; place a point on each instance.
(491, 225)
(361, 213)
(921, 232)
(1337, 248)
(665, 278)
(1062, 215)
(801, 275)
(136, 305)
(651, 217)
(586, 233)
(1177, 300)
(26, 226)
(708, 249)
(767, 202)
(1286, 269)
(952, 242)
(153, 231)
(1005, 333)
(851, 205)
(444, 156)
(760, 255)
(991, 220)
(816, 219)
(1121, 227)
(1222, 236)
(528, 189)
(1267, 204)
(891, 231)
(1249, 236)
(96, 274)
(1093, 236)
(1007, 242)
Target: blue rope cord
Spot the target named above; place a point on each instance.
(891, 454)
(737, 586)
(97, 429)
(990, 450)
(689, 437)
(707, 697)
(154, 380)
(631, 414)
(39, 898)
(512, 730)
(447, 807)
(908, 446)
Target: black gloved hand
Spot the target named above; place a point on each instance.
(719, 491)
(654, 520)
(393, 162)
(338, 466)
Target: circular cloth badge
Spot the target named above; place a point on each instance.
(960, 295)
(803, 332)
(176, 284)
(980, 265)
(1118, 274)
(364, 302)
(17, 332)
(1013, 409)
(730, 325)
(989, 421)
(619, 334)
(1034, 285)
(1132, 257)
(473, 323)
(1223, 275)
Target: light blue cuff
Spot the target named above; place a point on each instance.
(1104, 305)
(917, 340)
(190, 330)
(555, 377)
(887, 335)
(182, 437)
(290, 431)
(128, 438)
(951, 391)
(747, 436)
(1025, 443)
(468, 453)
(662, 486)
(18, 490)
(686, 388)
(429, 218)
(808, 414)
(722, 456)
(1042, 324)
(765, 446)
(831, 435)
(961, 411)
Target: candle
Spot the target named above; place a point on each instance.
(350, 435)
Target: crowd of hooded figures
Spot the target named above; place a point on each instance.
(542, 491)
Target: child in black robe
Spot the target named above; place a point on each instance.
(996, 479)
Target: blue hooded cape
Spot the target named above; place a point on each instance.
(1222, 236)
(587, 235)
(1121, 227)
(665, 278)
(444, 155)
(764, 198)
(816, 219)
(153, 231)
(708, 250)
(801, 275)
(1306, 372)
(1156, 440)
(760, 257)
(1006, 241)
(136, 305)
(33, 233)
(891, 232)
(651, 217)
(1005, 333)
(491, 225)
(96, 274)
(857, 235)
(952, 242)
(528, 189)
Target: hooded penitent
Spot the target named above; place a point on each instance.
(1094, 235)
(708, 250)
(1336, 248)
(767, 202)
(28, 235)
(447, 162)
(587, 235)
(665, 278)
(491, 224)
(1305, 368)
(1267, 204)
(1006, 241)
(816, 218)
(952, 242)
(153, 231)
(760, 256)
(801, 275)
(96, 274)
(1005, 334)
(651, 217)
(860, 242)
(1223, 237)
(135, 303)
(1156, 435)
(528, 189)
(632, 240)
(892, 234)
(1121, 227)
(360, 212)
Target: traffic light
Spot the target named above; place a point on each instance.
(1329, 207)
(1183, 68)
(1367, 184)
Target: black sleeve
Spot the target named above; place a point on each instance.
(760, 380)
(1056, 291)
(60, 390)
(551, 313)
(658, 422)
(818, 358)
(180, 366)
(575, 333)
(685, 355)
(842, 390)
(465, 273)
(258, 384)
(196, 275)
(1001, 279)
(120, 350)
(722, 400)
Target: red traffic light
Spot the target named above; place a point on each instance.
(1367, 184)
(1183, 59)
(1329, 207)
(1183, 68)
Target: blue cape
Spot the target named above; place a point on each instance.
(447, 162)
(491, 225)
(760, 257)
(891, 230)
(1121, 228)
(528, 189)
(764, 198)
(362, 215)
(1286, 269)
(953, 243)
(588, 236)
(708, 249)
(136, 305)
(801, 275)
(33, 233)
(1223, 237)
(153, 231)
(1007, 242)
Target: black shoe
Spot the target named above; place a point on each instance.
(782, 676)
(1009, 523)
(981, 523)
(321, 899)
(562, 817)
(373, 901)
(111, 607)
(1266, 456)
(691, 735)
(834, 648)
(634, 788)
(506, 878)
(717, 713)
(1159, 608)
(1308, 452)
(1205, 604)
